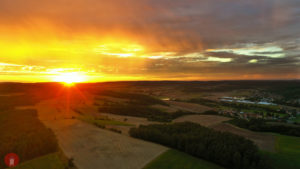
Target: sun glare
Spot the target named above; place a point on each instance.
(70, 78)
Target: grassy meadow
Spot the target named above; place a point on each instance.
(50, 161)
(174, 159)
(287, 155)
(297, 119)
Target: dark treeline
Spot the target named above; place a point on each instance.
(262, 126)
(133, 97)
(152, 114)
(225, 149)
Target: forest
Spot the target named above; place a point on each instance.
(225, 149)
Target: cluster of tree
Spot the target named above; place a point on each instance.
(136, 110)
(262, 126)
(226, 149)
(135, 98)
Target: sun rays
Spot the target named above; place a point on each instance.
(70, 78)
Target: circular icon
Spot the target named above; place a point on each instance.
(11, 160)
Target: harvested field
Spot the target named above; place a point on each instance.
(264, 141)
(92, 147)
(204, 120)
(192, 107)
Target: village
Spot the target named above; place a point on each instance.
(281, 114)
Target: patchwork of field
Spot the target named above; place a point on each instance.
(92, 147)
(74, 122)
(264, 140)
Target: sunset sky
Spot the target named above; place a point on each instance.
(103, 40)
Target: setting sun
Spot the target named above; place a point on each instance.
(70, 78)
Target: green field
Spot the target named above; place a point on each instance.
(287, 154)
(173, 159)
(51, 161)
(297, 119)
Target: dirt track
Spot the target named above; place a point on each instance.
(92, 147)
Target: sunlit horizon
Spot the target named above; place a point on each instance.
(146, 41)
